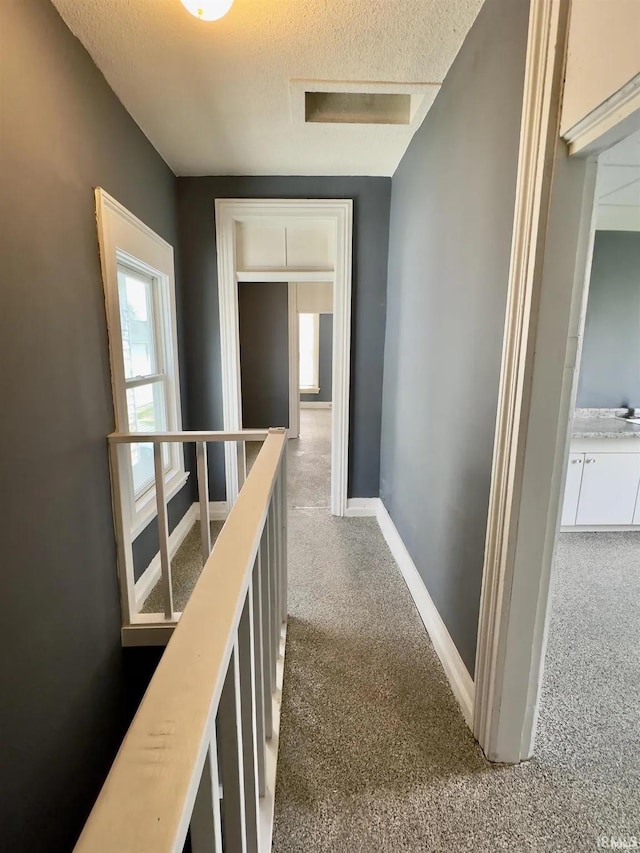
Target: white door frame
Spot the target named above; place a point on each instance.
(294, 362)
(548, 286)
(339, 212)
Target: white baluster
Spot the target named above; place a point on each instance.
(163, 531)
(265, 592)
(203, 496)
(206, 828)
(258, 673)
(232, 761)
(284, 520)
(246, 659)
(119, 459)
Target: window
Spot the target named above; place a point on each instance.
(309, 327)
(146, 379)
(139, 288)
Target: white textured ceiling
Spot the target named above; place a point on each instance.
(619, 186)
(217, 98)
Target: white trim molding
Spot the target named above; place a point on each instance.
(218, 511)
(500, 718)
(362, 507)
(126, 242)
(316, 404)
(457, 673)
(338, 212)
(294, 360)
(609, 123)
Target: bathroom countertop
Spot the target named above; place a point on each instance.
(599, 427)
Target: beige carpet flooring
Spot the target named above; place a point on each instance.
(185, 571)
(374, 753)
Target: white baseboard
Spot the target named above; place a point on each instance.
(151, 575)
(600, 528)
(217, 511)
(314, 405)
(362, 507)
(455, 670)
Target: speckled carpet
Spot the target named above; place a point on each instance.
(186, 567)
(310, 460)
(374, 753)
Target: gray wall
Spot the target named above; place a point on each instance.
(610, 366)
(451, 220)
(371, 239)
(263, 312)
(325, 366)
(65, 702)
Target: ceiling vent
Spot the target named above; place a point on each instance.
(357, 108)
(361, 103)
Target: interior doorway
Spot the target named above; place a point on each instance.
(305, 245)
(591, 660)
(310, 471)
(516, 611)
(286, 370)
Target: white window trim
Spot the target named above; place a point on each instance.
(125, 240)
(315, 387)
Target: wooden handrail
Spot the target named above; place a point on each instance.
(148, 798)
(186, 435)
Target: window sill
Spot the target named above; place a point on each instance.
(313, 390)
(145, 507)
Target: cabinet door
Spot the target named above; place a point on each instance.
(609, 488)
(636, 517)
(572, 489)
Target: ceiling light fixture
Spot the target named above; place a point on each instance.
(208, 10)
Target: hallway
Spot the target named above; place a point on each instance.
(310, 461)
(374, 753)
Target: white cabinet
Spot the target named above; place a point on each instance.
(603, 484)
(572, 489)
(609, 488)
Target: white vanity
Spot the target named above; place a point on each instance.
(603, 477)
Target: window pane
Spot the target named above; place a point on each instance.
(137, 323)
(146, 411)
(307, 378)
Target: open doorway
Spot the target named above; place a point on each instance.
(310, 453)
(593, 623)
(588, 718)
(286, 368)
(305, 245)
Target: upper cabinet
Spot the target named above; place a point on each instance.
(283, 245)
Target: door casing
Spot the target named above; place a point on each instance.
(339, 213)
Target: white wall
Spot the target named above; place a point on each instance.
(603, 54)
(314, 297)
